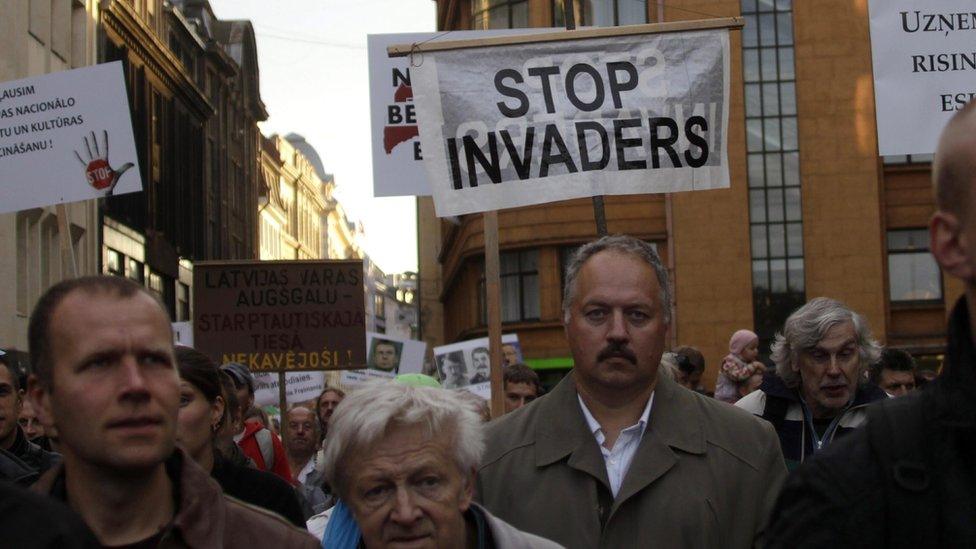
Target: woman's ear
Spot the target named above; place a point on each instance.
(217, 413)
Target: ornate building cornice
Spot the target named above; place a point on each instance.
(124, 27)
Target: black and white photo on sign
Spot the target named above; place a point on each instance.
(387, 356)
(453, 370)
(467, 364)
(384, 355)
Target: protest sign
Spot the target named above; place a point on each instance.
(386, 357)
(467, 362)
(526, 123)
(183, 333)
(277, 316)
(299, 387)
(924, 63)
(397, 158)
(57, 132)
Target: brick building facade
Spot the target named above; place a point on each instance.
(812, 209)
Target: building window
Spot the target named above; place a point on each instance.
(182, 301)
(914, 159)
(379, 306)
(134, 270)
(602, 13)
(499, 14)
(156, 284)
(913, 274)
(773, 164)
(115, 263)
(519, 287)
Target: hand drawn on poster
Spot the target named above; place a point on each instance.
(66, 136)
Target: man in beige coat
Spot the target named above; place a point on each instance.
(616, 456)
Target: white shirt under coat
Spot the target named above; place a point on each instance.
(618, 459)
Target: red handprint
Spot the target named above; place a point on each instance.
(98, 172)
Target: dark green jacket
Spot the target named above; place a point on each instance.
(704, 475)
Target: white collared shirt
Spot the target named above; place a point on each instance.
(618, 459)
(303, 474)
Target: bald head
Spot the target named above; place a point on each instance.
(301, 432)
(954, 168)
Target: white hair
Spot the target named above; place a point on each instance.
(369, 412)
(808, 325)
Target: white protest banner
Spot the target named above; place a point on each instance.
(520, 124)
(183, 333)
(299, 387)
(466, 363)
(66, 136)
(924, 58)
(387, 356)
(397, 159)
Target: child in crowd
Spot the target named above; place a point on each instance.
(738, 366)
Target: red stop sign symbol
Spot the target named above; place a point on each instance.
(99, 174)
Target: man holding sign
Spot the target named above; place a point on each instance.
(615, 455)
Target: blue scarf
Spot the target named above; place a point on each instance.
(341, 532)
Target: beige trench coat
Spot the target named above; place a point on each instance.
(706, 474)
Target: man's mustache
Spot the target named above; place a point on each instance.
(617, 350)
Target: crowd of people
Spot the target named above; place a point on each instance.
(116, 438)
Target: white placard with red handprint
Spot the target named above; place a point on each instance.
(66, 136)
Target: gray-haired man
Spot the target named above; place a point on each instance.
(617, 455)
(818, 392)
(403, 460)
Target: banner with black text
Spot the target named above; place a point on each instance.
(924, 62)
(516, 125)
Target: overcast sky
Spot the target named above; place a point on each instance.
(314, 82)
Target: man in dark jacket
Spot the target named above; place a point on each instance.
(908, 478)
(104, 375)
(818, 392)
(12, 437)
(32, 521)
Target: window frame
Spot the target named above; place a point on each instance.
(480, 18)
(579, 15)
(922, 251)
(520, 274)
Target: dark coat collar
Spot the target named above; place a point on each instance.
(954, 392)
(200, 513)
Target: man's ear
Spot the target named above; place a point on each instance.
(40, 398)
(948, 245)
(467, 490)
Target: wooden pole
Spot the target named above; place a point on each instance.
(494, 298)
(599, 213)
(64, 236)
(282, 397)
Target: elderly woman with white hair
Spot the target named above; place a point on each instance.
(818, 392)
(403, 459)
